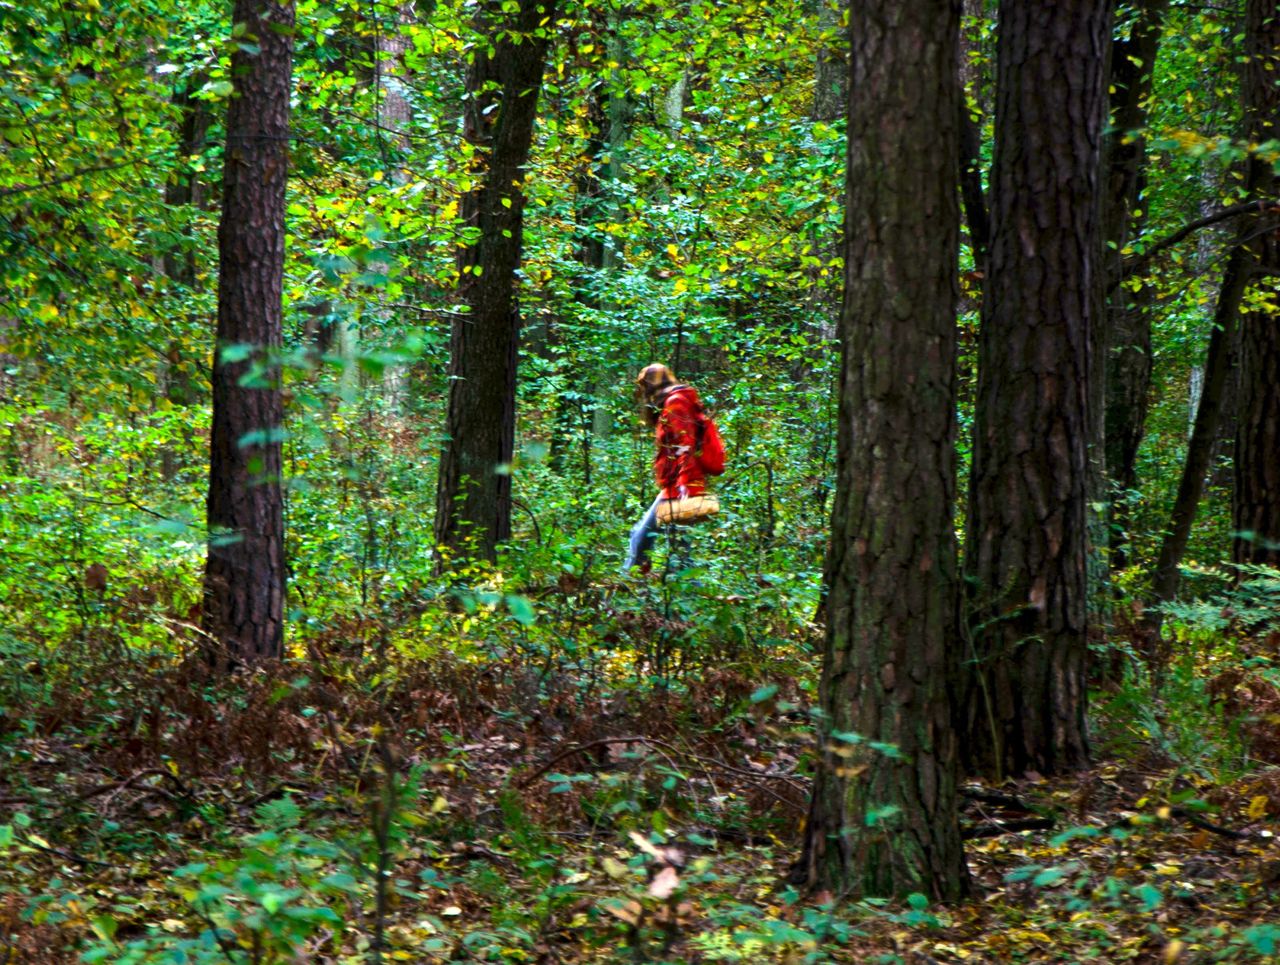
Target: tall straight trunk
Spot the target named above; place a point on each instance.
(244, 583)
(473, 496)
(1127, 342)
(1253, 253)
(831, 70)
(183, 191)
(1026, 550)
(883, 817)
(572, 433)
(1255, 516)
(1204, 432)
(1256, 503)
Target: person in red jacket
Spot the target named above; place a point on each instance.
(673, 410)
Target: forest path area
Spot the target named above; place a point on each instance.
(539, 820)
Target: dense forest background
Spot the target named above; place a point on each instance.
(351, 296)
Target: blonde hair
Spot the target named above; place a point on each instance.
(653, 382)
(654, 379)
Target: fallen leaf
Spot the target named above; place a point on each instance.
(629, 911)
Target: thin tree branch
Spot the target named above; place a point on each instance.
(42, 185)
(1135, 262)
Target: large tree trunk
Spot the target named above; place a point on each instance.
(244, 580)
(1256, 504)
(1026, 544)
(1128, 324)
(473, 497)
(883, 816)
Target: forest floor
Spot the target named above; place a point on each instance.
(362, 807)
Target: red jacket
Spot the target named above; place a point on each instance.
(676, 467)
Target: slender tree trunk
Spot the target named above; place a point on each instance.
(1026, 551)
(831, 71)
(572, 429)
(1204, 432)
(1256, 503)
(1254, 467)
(183, 191)
(1128, 333)
(244, 583)
(473, 500)
(883, 816)
(395, 114)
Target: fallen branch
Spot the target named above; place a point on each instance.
(665, 745)
(69, 855)
(995, 828)
(1196, 821)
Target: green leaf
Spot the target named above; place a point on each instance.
(1150, 896)
(521, 609)
(1050, 876)
(104, 926)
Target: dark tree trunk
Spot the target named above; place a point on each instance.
(572, 427)
(1255, 468)
(1204, 431)
(473, 496)
(183, 188)
(883, 819)
(183, 191)
(1026, 550)
(244, 580)
(1128, 325)
(1256, 504)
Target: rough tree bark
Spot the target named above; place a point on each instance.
(1256, 503)
(883, 816)
(473, 496)
(244, 581)
(1024, 703)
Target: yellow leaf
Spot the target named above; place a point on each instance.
(1258, 807)
(614, 868)
(681, 285)
(673, 251)
(439, 804)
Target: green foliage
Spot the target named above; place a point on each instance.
(1244, 597)
(679, 141)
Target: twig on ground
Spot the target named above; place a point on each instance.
(994, 828)
(654, 742)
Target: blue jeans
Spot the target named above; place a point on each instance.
(645, 533)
